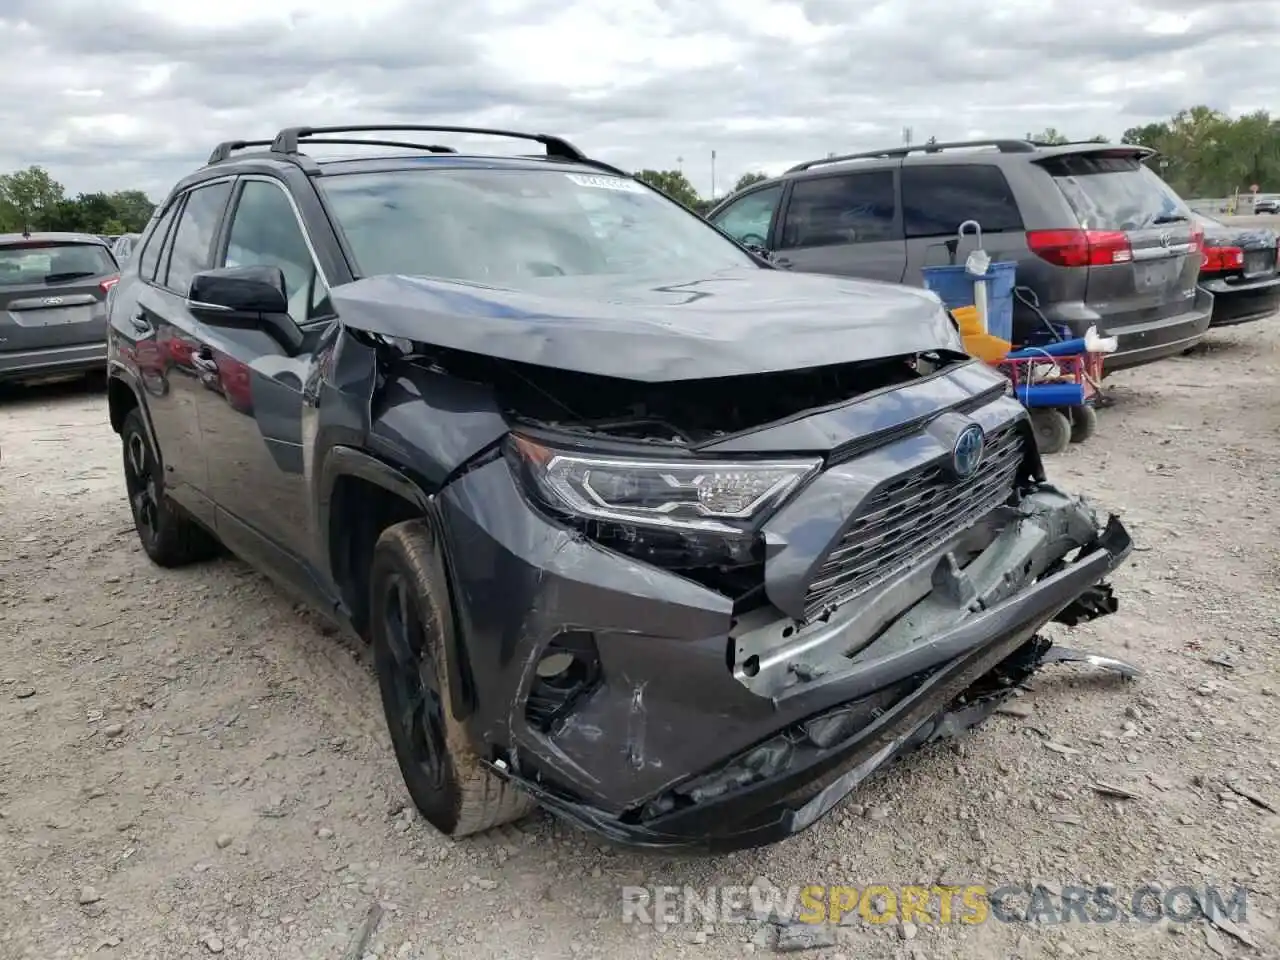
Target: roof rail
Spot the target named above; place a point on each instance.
(224, 150)
(1004, 146)
(288, 140)
(342, 141)
(1070, 143)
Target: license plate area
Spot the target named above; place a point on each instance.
(1162, 274)
(1258, 262)
(51, 316)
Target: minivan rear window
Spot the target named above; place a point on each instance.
(39, 262)
(1115, 193)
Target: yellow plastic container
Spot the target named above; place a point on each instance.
(977, 342)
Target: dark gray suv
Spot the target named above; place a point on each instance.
(678, 544)
(53, 313)
(1099, 239)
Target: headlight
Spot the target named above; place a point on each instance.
(711, 495)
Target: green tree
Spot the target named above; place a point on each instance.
(747, 179)
(132, 209)
(673, 183)
(26, 196)
(1048, 135)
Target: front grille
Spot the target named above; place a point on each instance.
(1259, 261)
(910, 516)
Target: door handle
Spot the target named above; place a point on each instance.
(140, 323)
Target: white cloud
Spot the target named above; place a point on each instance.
(136, 92)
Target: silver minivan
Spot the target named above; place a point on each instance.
(1099, 239)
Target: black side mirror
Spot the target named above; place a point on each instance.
(245, 297)
(239, 290)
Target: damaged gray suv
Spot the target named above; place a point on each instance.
(679, 545)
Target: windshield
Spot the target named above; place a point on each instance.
(1116, 193)
(511, 227)
(52, 263)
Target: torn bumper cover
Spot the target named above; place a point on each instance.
(663, 743)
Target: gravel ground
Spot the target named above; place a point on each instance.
(192, 765)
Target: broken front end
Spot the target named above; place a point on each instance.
(718, 618)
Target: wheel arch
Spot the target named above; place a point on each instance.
(124, 395)
(363, 496)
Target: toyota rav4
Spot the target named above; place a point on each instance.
(680, 545)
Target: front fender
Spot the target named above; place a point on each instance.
(431, 424)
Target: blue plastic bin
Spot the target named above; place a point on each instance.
(955, 287)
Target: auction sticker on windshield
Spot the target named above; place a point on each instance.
(605, 183)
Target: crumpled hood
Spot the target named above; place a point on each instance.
(739, 322)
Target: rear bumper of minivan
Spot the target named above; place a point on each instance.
(1141, 341)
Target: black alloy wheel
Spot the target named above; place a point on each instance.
(412, 633)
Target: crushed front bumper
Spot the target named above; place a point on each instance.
(702, 731)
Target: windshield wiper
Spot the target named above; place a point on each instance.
(1169, 218)
(68, 275)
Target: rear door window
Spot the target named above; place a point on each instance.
(193, 240)
(844, 209)
(1115, 193)
(937, 199)
(51, 264)
(155, 243)
(749, 219)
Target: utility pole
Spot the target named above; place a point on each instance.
(713, 174)
(906, 136)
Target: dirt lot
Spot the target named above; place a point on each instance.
(191, 765)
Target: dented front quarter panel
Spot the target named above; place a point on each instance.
(432, 424)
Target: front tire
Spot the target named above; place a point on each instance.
(411, 628)
(169, 537)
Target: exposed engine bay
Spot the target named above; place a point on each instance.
(684, 413)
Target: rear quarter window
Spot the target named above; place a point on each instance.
(937, 199)
(155, 242)
(1114, 192)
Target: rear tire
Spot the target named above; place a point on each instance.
(169, 537)
(411, 629)
(1052, 430)
(1084, 423)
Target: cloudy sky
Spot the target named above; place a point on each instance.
(114, 94)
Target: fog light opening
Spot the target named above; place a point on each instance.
(568, 669)
(555, 666)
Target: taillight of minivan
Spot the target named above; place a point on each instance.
(1081, 248)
